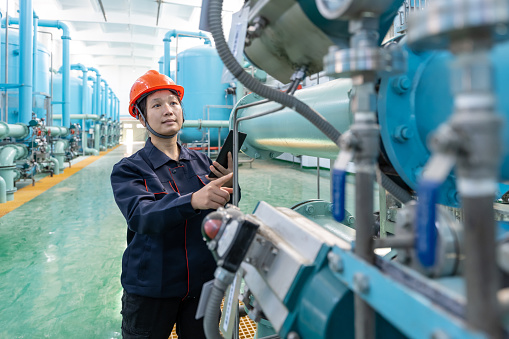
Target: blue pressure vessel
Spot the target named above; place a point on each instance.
(199, 71)
(40, 89)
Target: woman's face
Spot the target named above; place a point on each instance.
(164, 112)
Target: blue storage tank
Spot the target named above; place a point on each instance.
(76, 98)
(43, 76)
(199, 71)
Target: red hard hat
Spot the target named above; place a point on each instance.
(149, 82)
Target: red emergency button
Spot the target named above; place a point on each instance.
(211, 227)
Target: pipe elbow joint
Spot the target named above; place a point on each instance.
(65, 29)
(170, 34)
(11, 153)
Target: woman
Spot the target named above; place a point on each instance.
(164, 193)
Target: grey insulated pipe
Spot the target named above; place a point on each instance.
(210, 325)
(216, 28)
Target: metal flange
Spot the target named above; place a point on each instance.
(347, 63)
(442, 21)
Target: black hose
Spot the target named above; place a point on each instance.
(210, 320)
(394, 189)
(216, 28)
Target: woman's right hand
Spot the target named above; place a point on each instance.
(213, 195)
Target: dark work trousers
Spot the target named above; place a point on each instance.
(144, 317)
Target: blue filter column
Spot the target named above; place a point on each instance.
(26, 57)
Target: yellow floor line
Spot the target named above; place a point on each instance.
(27, 193)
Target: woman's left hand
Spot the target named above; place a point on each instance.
(220, 171)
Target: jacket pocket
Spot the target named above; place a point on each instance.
(204, 181)
(154, 186)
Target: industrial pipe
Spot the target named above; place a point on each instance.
(17, 131)
(84, 145)
(265, 138)
(206, 123)
(84, 108)
(59, 153)
(3, 191)
(97, 91)
(108, 134)
(26, 63)
(172, 34)
(161, 65)
(105, 99)
(97, 137)
(8, 155)
(78, 116)
(110, 106)
(58, 131)
(66, 68)
(34, 57)
(56, 165)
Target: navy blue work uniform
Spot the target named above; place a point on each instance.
(166, 256)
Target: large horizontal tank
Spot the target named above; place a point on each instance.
(76, 98)
(199, 71)
(41, 87)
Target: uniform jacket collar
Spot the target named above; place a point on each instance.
(158, 158)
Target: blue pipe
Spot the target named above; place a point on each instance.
(66, 68)
(84, 89)
(173, 34)
(25, 69)
(97, 91)
(94, 80)
(161, 63)
(34, 67)
(101, 101)
(112, 113)
(116, 109)
(105, 99)
(26, 62)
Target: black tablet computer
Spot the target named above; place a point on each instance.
(222, 157)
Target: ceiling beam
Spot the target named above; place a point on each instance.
(102, 9)
(158, 11)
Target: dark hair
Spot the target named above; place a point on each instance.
(142, 102)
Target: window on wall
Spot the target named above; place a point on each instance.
(139, 126)
(128, 126)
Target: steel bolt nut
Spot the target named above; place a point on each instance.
(335, 262)
(310, 209)
(361, 282)
(401, 84)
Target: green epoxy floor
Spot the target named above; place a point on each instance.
(60, 254)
